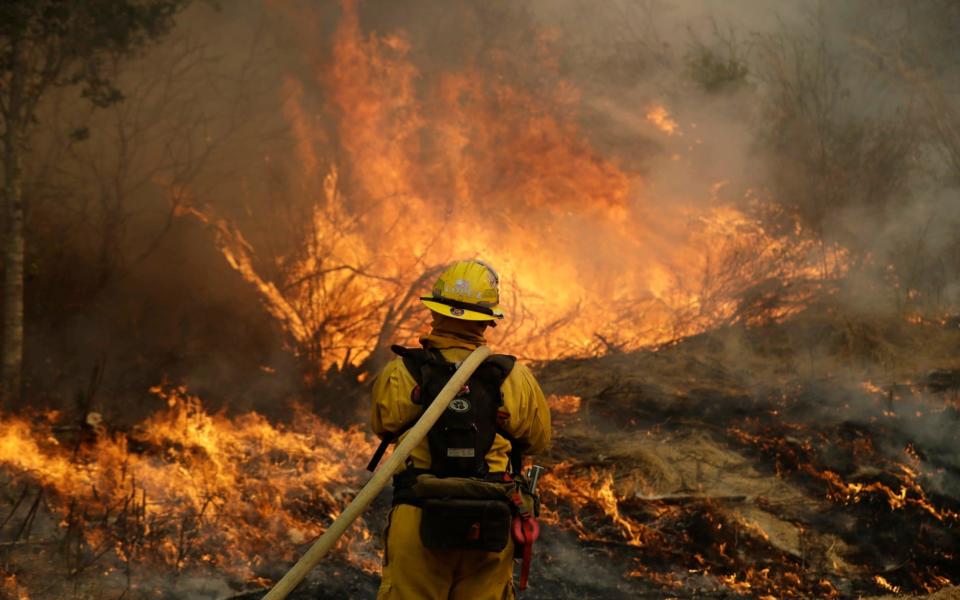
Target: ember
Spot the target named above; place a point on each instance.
(564, 404)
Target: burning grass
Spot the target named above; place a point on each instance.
(184, 490)
(688, 470)
(680, 511)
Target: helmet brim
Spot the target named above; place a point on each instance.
(464, 314)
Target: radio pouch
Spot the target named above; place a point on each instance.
(465, 524)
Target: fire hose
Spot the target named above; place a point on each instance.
(414, 436)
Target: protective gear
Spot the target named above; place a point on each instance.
(460, 439)
(525, 410)
(467, 290)
(410, 569)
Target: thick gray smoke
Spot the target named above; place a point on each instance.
(839, 113)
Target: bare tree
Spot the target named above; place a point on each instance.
(826, 151)
(340, 303)
(147, 154)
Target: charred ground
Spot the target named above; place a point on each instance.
(724, 464)
(768, 471)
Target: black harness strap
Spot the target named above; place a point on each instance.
(388, 439)
(411, 360)
(517, 450)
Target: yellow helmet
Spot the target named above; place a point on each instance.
(469, 290)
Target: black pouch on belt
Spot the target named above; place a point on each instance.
(465, 524)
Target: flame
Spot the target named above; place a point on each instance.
(910, 492)
(188, 488)
(9, 588)
(565, 404)
(594, 489)
(660, 118)
(882, 582)
(441, 165)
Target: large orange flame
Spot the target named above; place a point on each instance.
(439, 165)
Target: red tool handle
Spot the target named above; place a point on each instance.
(526, 530)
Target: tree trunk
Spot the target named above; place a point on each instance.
(16, 120)
(13, 273)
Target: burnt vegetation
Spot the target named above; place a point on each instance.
(728, 242)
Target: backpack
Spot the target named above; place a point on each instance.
(461, 438)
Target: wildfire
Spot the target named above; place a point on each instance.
(434, 165)
(188, 488)
(446, 164)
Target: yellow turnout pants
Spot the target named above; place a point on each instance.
(412, 572)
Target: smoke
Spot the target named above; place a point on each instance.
(826, 111)
(668, 158)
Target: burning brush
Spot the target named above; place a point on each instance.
(184, 490)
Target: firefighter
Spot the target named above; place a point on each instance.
(448, 534)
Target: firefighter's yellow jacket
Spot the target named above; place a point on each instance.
(410, 571)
